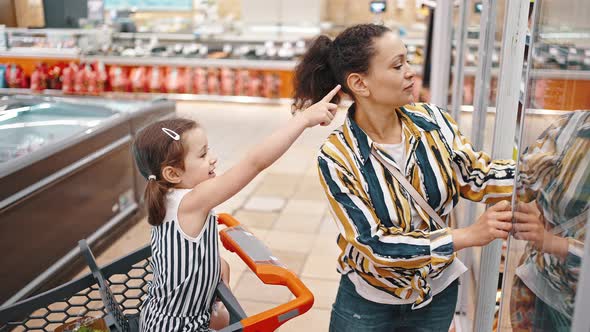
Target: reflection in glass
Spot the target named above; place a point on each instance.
(551, 215)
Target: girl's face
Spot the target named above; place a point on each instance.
(390, 79)
(199, 162)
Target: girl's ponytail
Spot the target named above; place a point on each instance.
(314, 76)
(154, 197)
(154, 149)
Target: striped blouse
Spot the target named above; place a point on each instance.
(186, 272)
(555, 171)
(378, 239)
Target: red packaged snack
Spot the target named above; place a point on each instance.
(118, 79)
(269, 86)
(254, 85)
(15, 77)
(242, 81)
(156, 80)
(54, 76)
(101, 77)
(188, 81)
(200, 80)
(91, 81)
(80, 80)
(138, 77)
(174, 80)
(68, 78)
(39, 78)
(227, 82)
(213, 83)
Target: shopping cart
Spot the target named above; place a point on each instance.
(115, 292)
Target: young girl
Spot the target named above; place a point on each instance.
(182, 189)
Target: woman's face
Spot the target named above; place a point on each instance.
(390, 79)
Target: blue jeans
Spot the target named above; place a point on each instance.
(353, 313)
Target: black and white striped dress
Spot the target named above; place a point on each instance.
(186, 272)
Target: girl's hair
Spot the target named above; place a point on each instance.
(328, 63)
(154, 149)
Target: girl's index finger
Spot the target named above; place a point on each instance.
(331, 94)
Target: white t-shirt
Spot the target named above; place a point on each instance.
(397, 152)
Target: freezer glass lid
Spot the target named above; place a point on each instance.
(27, 127)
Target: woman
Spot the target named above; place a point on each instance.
(398, 266)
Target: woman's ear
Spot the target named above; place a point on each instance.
(171, 174)
(357, 85)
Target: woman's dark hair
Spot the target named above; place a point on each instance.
(154, 149)
(328, 63)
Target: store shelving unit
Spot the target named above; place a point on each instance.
(192, 62)
(154, 96)
(88, 46)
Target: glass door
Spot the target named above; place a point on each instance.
(545, 253)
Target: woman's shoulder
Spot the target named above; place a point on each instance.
(336, 141)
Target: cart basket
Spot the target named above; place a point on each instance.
(115, 291)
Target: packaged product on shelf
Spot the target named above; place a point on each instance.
(2, 77)
(92, 87)
(81, 79)
(200, 81)
(15, 77)
(54, 76)
(270, 85)
(242, 81)
(254, 84)
(139, 79)
(227, 81)
(156, 80)
(213, 81)
(278, 84)
(118, 79)
(39, 78)
(174, 80)
(188, 80)
(68, 78)
(101, 76)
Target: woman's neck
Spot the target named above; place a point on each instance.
(380, 122)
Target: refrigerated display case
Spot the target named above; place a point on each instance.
(66, 173)
(545, 261)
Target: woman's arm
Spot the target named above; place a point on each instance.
(213, 192)
(480, 178)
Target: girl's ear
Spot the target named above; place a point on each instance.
(172, 174)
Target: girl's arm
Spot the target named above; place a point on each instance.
(213, 192)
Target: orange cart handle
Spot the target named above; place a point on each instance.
(269, 270)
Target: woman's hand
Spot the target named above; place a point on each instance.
(530, 226)
(494, 223)
(321, 112)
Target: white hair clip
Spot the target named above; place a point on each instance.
(152, 177)
(171, 133)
